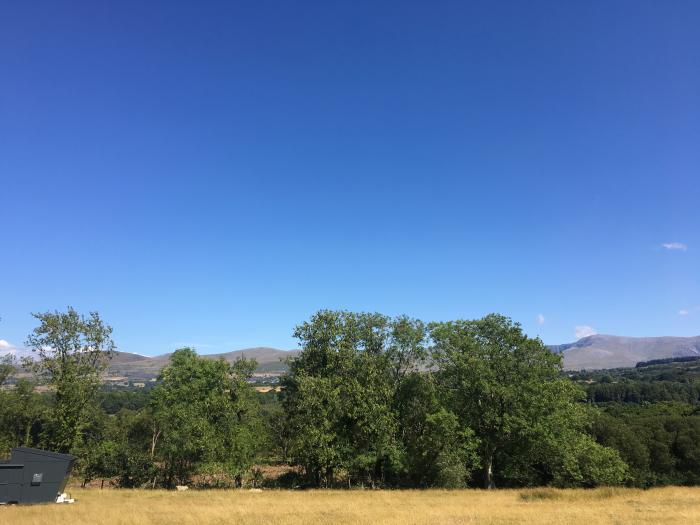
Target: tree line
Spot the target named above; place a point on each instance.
(370, 401)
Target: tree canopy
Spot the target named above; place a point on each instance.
(203, 413)
(72, 352)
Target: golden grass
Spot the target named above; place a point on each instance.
(675, 505)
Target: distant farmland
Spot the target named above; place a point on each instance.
(526, 506)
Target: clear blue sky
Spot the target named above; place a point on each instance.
(212, 173)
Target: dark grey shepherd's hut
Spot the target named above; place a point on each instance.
(34, 476)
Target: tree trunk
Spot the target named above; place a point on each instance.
(488, 472)
(154, 440)
(27, 433)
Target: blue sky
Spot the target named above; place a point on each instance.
(212, 173)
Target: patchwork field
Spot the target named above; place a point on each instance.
(590, 507)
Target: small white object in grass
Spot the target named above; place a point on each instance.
(182, 487)
(64, 498)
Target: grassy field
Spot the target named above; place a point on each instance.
(590, 507)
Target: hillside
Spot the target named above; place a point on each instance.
(595, 352)
(135, 366)
(598, 352)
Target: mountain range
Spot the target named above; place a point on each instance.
(595, 352)
(271, 361)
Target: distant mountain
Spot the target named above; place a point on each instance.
(595, 352)
(598, 352)
(135, 366)
(126, 357)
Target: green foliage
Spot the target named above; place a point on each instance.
(101, 461)
(121, 454)
(72, 352)
(406, 348)
(112, 401)
(7, 367)
(359, 399)
(339, 394)
(313, 411)
(506, 387)
(23, 414)
(660, 442)
(203, 412)
(370, 401)
(650, 416)
(662, 380)
(438, 451)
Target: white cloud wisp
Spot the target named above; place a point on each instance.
(582, 331)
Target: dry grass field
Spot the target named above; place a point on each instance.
(564, 507)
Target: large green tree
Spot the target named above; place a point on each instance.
(72, 351)
(338, 397)
(507, 388)
(204, 413)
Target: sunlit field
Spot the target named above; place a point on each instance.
(600, 506)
